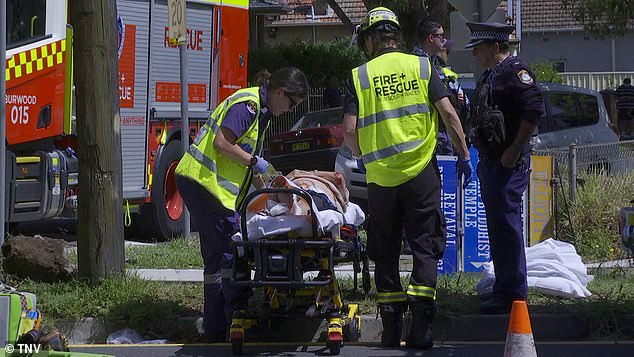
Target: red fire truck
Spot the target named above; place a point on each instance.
(41, 164)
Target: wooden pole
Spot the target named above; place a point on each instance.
(100, 200)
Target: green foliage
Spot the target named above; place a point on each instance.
(546, 72)
(591, 224)
(602, 18)
(317, 60)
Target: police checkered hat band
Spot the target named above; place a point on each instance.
(488, 31)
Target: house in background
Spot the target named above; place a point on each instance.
(551, 34)
(308, 20)
(260, 13)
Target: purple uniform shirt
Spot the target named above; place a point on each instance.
(240, 117)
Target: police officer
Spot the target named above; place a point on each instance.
(391, 123)
(431, 42)
(216, 173)
(505, 112)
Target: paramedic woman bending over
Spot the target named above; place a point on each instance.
(216, 173)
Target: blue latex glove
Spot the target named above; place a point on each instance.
(260, 166)
(361, 166)
(464, 169)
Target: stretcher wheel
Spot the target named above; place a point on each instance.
(352, 332)
(334, 347)
(236, 346)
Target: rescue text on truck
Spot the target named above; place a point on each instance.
(42, 167)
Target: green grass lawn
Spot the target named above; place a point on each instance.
(151, 307)
(175, 254)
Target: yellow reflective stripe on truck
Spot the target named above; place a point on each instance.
(233, 3)
(27, 159)
(68, 88)
(34, 60)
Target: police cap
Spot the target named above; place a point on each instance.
(488, 31)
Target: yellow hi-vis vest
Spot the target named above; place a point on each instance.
(449, 73)
(397, 126)
(223, 177)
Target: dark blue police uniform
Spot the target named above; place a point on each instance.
(510, 87)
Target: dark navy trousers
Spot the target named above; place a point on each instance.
(415, 206)
(216, 224)
(502, 190)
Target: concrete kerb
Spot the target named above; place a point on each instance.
(446, 328)
(464, 328)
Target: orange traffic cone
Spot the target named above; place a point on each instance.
(519, 339)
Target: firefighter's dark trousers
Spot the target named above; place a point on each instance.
(216, 225)
(415, 206)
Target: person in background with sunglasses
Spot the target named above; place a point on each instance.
(390, 123)
(431, 42)
(216, 173)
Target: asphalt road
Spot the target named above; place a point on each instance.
(458, 349)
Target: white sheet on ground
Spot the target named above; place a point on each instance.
(553, 267)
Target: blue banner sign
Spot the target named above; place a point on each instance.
(475, 247)
(449, 204)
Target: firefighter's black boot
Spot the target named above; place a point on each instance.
(420, 336)
(392, 318)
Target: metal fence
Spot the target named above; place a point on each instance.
(284, 122)
(597, 81)
(572, 163)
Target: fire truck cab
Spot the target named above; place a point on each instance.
(42, 168)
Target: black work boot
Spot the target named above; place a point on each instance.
(420, 336)
(392, 318)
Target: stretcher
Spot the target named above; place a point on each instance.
(293, 233)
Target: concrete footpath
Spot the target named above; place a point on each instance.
(446, 328)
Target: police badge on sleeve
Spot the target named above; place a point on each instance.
(252, 106)
(525, 77)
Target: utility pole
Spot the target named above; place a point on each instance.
(177, 33)
(100, 201)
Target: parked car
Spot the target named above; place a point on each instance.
(311, 144)
(573, 115)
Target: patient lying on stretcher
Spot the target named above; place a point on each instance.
(286, 213)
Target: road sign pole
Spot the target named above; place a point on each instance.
(3, 114)
(182, 48)
(177, 29)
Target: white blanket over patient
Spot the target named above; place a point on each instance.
(279, 218)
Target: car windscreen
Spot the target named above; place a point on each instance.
(569, 110)
(319, 119)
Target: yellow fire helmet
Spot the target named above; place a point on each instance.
(378, 16)
(377, 19)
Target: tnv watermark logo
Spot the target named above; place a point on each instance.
(23, 348)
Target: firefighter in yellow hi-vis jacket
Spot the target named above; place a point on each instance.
(391, 123)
